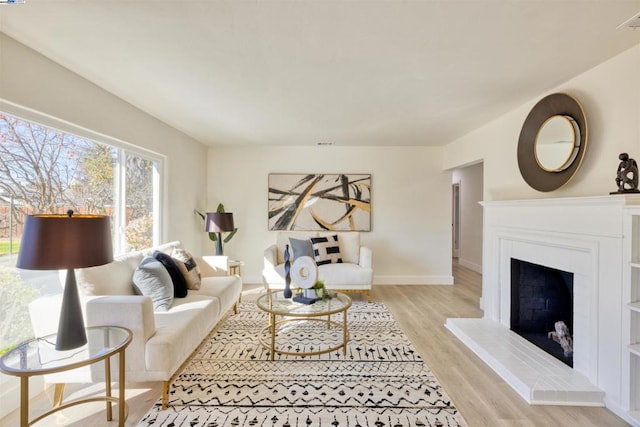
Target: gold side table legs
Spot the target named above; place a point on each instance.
(39, 357)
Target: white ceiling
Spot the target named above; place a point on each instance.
(311, 71)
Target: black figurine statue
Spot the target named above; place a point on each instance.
(287, 274)
(627, 175)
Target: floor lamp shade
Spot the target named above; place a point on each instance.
(57, 242)
(218, 222)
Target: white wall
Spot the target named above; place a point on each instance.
(411, 204)
(471, 190)
(610, 96)
(33, 87)
(32, 81)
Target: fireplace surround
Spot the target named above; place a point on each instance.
(582, 237)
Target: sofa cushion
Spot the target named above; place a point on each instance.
(115, 278)
(188, 267)
(179, 283)
(152, 279)
(178, 333)
(326, 250)
(344, 276)
(301, 247)
(225, 289)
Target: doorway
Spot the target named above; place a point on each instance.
(455, 220)
(466, 216)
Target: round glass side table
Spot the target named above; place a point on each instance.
(39, 357)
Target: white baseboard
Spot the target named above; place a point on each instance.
(470, 265)
(413, 280)
(386, 280)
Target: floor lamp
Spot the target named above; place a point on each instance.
(218, 222)
(56, 242)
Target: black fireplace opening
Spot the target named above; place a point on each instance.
(540, 298)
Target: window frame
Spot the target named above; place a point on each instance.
(123, 147)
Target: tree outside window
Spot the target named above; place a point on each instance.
(44, 170)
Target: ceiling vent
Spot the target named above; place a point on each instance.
(633, 22)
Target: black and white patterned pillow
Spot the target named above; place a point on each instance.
(326, 250)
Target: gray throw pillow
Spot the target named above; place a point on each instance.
(300, 248)
(152, 279)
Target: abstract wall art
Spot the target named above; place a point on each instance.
(308, 202)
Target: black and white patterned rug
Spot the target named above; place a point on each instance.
(381, 382)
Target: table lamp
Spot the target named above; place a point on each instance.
(218, 222)
(55, 242)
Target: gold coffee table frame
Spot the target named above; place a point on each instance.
(275, 304)
(39, 357)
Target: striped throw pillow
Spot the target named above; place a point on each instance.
(326, 250)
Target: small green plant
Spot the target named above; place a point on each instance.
(214, 236)
(321, 291)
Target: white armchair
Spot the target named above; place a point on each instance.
(354, 274)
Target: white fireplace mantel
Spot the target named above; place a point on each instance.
(584, 236)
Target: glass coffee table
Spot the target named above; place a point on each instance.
(292, 313)
(39, 357)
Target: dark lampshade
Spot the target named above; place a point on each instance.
(217, 222)
(55, 242)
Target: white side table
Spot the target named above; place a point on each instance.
(235, 267)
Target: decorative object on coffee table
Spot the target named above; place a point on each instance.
(305, 272)
(626, 175)
(287, 273)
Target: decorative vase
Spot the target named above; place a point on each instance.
(287, 273)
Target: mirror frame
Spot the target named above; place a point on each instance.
(557, 104)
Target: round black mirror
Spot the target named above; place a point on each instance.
(552, 142)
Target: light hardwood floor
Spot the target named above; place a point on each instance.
(482, 397)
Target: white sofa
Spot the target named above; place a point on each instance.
(162, 340)
(354, 274)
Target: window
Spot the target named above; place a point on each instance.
(46, 170)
